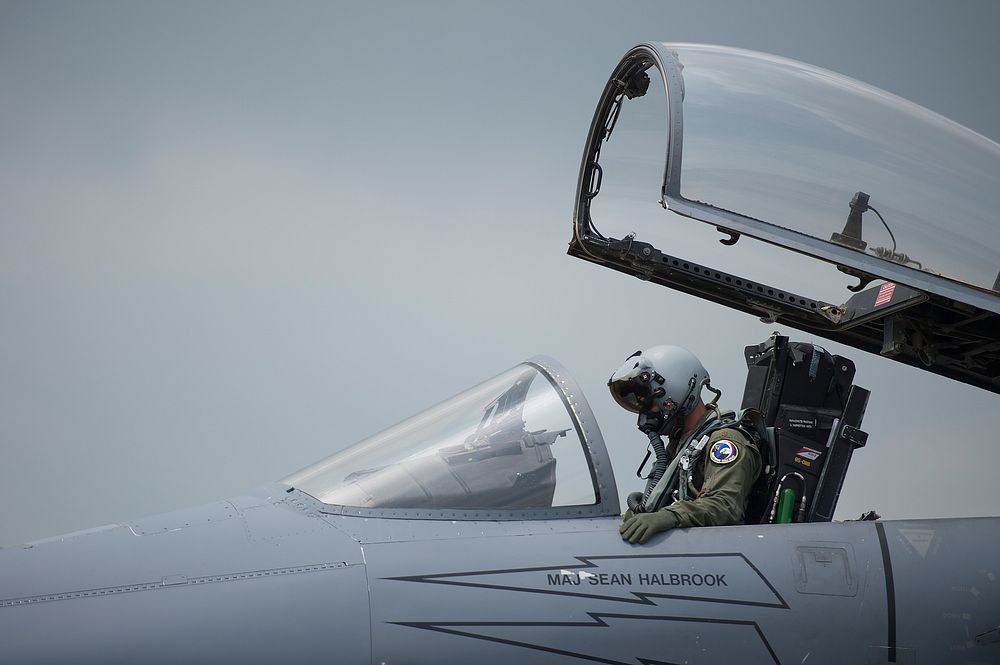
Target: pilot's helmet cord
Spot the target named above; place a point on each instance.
(715, 391)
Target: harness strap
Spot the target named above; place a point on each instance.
(695, 448)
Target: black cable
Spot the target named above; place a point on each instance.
(870, 207)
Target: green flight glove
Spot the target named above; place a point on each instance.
(640, 528)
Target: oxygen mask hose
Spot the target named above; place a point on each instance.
(636, 501)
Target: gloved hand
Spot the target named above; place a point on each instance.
(626, 516)
(640, 528)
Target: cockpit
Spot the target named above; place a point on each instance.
(522, 444)
(837, 179)
(525, 445)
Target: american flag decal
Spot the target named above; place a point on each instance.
(885, 293)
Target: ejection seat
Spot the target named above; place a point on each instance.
(812, 413)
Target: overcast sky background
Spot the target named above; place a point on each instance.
(238, 236)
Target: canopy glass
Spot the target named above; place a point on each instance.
(778, 155)
(784, 152)
(791, 144)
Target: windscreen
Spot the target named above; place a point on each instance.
(793, 145)
(508, 443)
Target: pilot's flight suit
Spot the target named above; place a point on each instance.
(721, 481)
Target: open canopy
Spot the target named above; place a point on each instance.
(522, 444)
(806, 160)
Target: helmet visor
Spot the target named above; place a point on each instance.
(632, 393)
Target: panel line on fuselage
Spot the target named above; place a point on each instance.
(890, 591)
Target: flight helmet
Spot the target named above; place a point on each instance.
(669, 377)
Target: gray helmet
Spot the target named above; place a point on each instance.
(668, 376)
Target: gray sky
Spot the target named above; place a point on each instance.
(237, 237)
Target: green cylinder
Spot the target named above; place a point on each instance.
(786, 504)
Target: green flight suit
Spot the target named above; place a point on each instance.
(720, 481)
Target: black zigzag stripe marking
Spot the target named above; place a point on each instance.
(453, 628)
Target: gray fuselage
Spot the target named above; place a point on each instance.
(277, 575)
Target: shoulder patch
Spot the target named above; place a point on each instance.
(724, 451)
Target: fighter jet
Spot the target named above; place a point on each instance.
(485, 529)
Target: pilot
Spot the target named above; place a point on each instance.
(710, 460)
